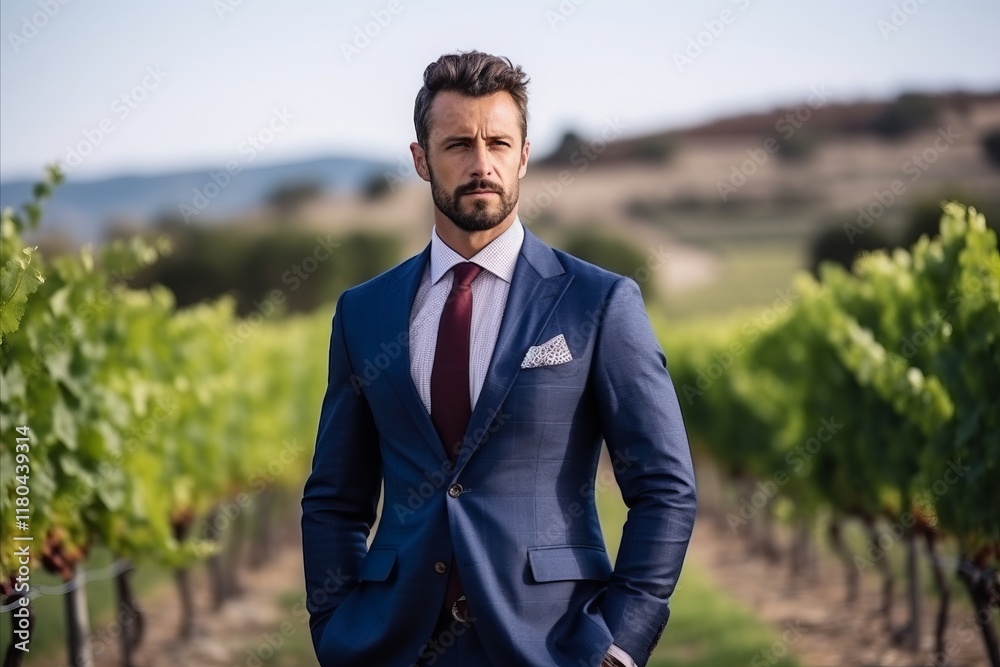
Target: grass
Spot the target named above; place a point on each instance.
(751, 274)
(296, 650)
(707, 629)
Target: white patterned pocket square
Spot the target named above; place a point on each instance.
(549, 353)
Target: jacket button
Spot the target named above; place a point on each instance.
(440, 567)
(455, 490)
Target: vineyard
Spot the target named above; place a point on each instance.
(171, 436)
(132, 425)
(870, 394)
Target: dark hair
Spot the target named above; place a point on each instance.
(471, 73)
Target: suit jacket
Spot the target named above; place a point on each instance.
(517, 509)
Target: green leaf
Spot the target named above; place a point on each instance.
(63, 425)
(19, 279)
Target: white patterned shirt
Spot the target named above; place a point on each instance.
(489, 298)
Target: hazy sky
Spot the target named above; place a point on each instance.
(184, 83)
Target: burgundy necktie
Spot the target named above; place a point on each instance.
(451, 405)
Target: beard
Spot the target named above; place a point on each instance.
(478, 214)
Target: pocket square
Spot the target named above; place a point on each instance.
(549, 353)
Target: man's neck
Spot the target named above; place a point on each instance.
(467, 244)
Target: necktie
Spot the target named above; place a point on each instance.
(451, 405)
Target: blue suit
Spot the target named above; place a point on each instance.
(517, 509)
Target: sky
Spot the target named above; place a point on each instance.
(117, 88)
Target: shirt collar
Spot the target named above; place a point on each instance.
(498, 257)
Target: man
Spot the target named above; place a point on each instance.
(475, 382)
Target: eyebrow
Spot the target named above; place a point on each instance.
(456, 137)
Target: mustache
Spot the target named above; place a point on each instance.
(472, 187)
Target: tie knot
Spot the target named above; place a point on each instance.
(465, 273)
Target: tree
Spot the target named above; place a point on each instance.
(991, 146)
(906, 114)
(833, 244)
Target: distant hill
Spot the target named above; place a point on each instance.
(868, 117)
(84, 210)
(888, 119)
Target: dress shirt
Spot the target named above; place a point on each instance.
(489, 298)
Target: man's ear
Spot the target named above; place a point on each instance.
(525, 151)
(420, 161)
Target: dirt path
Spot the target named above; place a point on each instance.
(252, 622)
(833, 633)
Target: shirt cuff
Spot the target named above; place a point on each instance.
(621, 656)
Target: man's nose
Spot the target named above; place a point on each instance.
(481, 166)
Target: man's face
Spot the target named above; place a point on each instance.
(474, 158)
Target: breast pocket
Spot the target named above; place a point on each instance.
(551, 373)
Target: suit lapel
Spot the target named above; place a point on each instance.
(537, 286)
(395, 312)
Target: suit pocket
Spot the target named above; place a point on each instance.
(551, 373)
(377, 565)
(569, 562)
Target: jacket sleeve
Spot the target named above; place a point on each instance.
(341, 494)
(645, 435)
